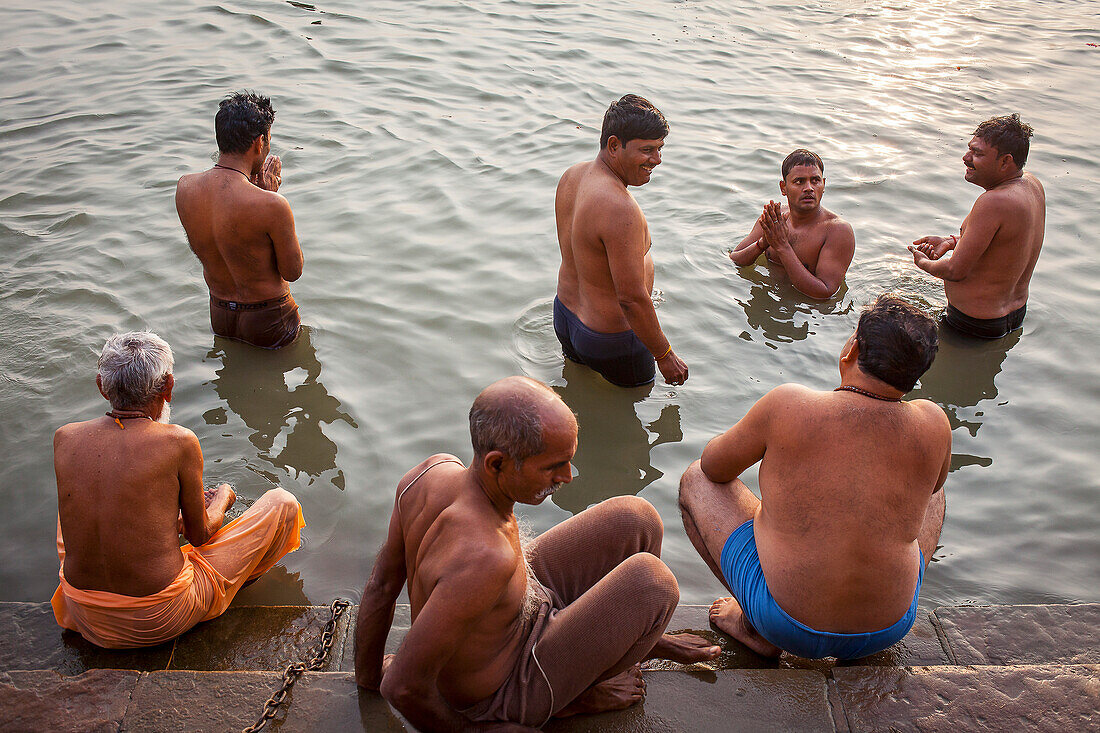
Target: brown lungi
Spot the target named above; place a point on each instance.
(607, 598)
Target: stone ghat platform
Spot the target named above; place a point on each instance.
(967, 668)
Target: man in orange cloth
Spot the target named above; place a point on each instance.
(128, 484)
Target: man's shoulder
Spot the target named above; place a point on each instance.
(929, 412)
(413, 473)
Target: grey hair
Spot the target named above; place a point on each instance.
(133, 368)
(512, 426)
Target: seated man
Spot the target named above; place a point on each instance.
(128, 485)
(987, 276)
(503, 635)
(242, 231)
(829, 561)
(811, 244)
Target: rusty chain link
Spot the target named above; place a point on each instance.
(294, 670)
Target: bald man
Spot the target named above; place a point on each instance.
(506, 636)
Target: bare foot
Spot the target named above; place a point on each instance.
(684, 648)
(615, 693)
(726, 614)
(386, 662)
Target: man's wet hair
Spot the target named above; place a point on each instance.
(897, 342)
(633, 118)
(1009, 135)
(511, 424)
(241, 118)
(802, 156)
(134, 368)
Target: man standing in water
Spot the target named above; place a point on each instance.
(128, 484)
(505, 635)
(811, 244)
(829, 561)
(603, 313)
(242, 230)
(986, 277)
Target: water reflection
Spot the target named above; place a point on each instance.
(285, 420)
(613, 447)
(961, 378)
(778, 310)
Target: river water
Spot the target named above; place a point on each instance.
(421, 144)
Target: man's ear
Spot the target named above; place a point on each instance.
(783, 186)
(614, 144)
(493, 462)
(258, 145)
(99, 385)
(850, 354)
(169, 383)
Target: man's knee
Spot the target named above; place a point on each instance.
(641, 518)
(280, 500)
(692, 486)
(655, 584)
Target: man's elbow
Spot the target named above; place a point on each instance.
(292, 273)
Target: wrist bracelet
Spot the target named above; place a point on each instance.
(662, 356)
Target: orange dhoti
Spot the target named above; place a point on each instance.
(212, 574)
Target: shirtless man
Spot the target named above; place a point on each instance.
(603, 313)
(986, 277)
(811, 244)
(503, 635)
(829, 561)
(242, 231)
(128, 485)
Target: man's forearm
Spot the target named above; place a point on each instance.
(801, 277)
(372, 626)
(746, 253)
(642, 318)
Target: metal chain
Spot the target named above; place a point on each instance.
(295, 670)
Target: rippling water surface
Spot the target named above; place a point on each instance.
(421, 143)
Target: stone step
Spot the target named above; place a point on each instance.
(960, 668)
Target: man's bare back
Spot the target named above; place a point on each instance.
(590, 202)
(447, 521)
(840, 513)
(105, 473)
(242, 234)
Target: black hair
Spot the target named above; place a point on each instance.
(633, 118)
(802, 156)
(241, 118)
(897, 342)
(1008, 135)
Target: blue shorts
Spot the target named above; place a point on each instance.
(741, 566)
(621, 358)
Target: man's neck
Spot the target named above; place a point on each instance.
(502, 503)
(856, 377)
(1008, 180)
(798, 218)
(607, 164)
(240, 163)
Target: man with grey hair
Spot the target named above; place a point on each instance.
(128, 485)
(505, 636)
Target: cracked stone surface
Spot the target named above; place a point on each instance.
(330, 701)
(44, 700)
(1055, 698)
(199, 701)
(31, 639)
(257, 638)
(717, 702)
(1049, 634)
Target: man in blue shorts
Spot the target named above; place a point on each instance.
(603, 313)
(829, 561)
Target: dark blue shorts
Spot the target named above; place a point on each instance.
(621, 358)
(741, 566)
(985, 328)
